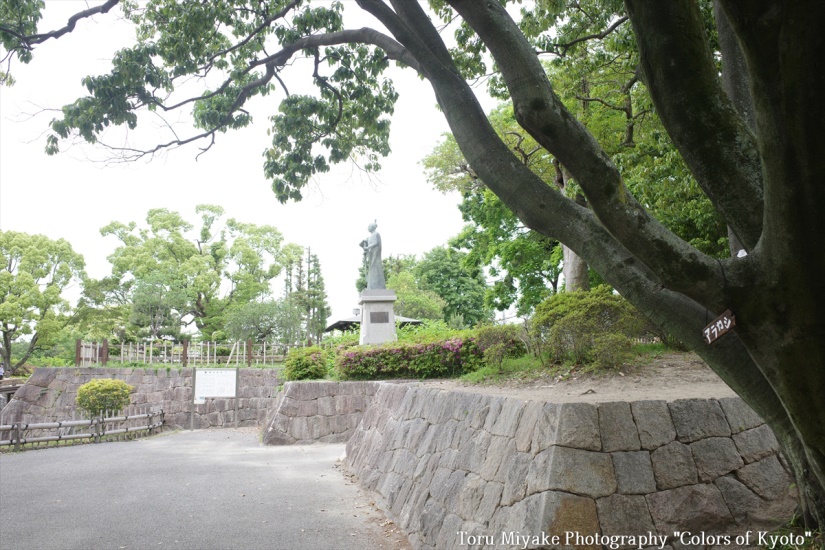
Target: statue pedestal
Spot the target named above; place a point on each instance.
(377, 316)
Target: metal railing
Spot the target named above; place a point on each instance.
(64, 431)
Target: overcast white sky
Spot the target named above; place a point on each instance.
(69, 196)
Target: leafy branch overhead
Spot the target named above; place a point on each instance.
(729, 114)
(247, 50)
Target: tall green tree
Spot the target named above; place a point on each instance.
(172, 275)
(157, 305)
(444, 271)
(271, 320)
(412, 301)
(34, 273)
(315, 299)
(751, 138)
(600, 88)
(523, 264)
(103, 311)
(304, 288)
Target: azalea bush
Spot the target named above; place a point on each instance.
(590, 328)
(445, 358)
(308, 363)
(499, 342)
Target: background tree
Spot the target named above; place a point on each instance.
(598, 85)
(524, 265)
(172, 276)
(34, 272)
(304, 290)
(157, 303)
(444, 272)
(277, 321)
(752, 141)
(412, 301)
(314, 300)
(103, 310)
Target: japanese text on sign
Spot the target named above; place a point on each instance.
(719, 327)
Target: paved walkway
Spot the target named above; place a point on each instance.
(207, 489)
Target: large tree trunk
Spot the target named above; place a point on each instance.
(574, 269)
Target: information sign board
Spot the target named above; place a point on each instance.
(215, 383)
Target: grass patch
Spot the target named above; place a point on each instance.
(527, 368)
(652, 350)
(519, 368)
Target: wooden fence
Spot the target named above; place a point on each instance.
(239, 353)
(80, 430)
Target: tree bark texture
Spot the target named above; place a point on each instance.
(574, 268)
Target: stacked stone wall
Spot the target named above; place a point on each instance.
(459, 470)
(49, 395)
(310, 412)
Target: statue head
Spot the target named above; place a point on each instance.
(372, 226)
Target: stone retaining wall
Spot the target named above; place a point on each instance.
(49, 395)
(453, 466)
(309, 412)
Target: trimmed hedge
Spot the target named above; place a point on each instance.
(103, 395)
(452, 357)
(308, 363)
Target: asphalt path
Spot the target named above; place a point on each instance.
(207, 489)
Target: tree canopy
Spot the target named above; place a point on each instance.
(751, 139)
(169, 274)
(34, 271)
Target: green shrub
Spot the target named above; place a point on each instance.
(308, 363)
(611, 351)
(499, 342)
(344, 340)
(103, 395)
(430, 331)
(439, 359)
(571, 324)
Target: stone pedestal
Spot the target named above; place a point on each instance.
(377, 317)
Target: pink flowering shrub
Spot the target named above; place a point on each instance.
(452, 357)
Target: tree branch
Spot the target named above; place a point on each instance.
(540, 112)
(28, 41)
(265, 23)
(684, 84)
(598, 36)
(271, 63)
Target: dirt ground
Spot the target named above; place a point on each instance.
(669, 377)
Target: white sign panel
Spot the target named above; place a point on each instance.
(214, 383)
